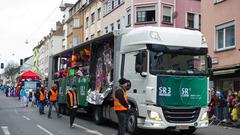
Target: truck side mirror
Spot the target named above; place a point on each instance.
(139, 62)
(209, 62)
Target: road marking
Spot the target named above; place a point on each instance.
(45, 130)
(88, 130)
(5, 130)
(25, 117)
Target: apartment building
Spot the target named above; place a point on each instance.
(119, 14)
(65, 9)
(75, 25)
(92, 19)
(48, 46)
(220, 21)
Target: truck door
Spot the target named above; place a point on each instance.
(138, 82)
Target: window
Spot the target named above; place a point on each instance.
(145, 14)
(87, 22)
(193, 21)
(76, 40)
(106, 29)
(93, 17)
(118, 24)
(119, 2)
(190, 20)
(112, 26)
(225, 36)
(76, 23)
(167, 15)
(129, 17)
(99, 13)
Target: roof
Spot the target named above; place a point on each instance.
(29, 75)
(162, 36)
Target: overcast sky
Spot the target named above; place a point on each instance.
(22, 20)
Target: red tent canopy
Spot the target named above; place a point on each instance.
(29, 75)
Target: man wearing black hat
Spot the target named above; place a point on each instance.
(72, 100)
(121, 104)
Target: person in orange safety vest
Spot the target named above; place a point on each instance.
(42, 100)
(121, 105)
(72, 100)
(53, 98)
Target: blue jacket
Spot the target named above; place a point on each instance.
(23, 92)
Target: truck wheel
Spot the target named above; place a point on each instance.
(98, 115)
(188, 131)
(132, 123)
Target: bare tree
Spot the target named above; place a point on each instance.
(10, 71)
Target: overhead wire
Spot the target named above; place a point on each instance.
(42, 23)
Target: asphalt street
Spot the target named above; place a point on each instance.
(18, 120)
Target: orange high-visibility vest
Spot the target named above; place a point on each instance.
(54, 95)
(117, 105)
(71, 98)
(42, 96)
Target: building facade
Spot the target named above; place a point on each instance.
(65, 7)
(75, 25)
(36, 58)
(92, 19)
(220, 21)
(160, 13)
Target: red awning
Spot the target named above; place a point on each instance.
(29, 75)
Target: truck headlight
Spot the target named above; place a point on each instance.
(154, 115)
(204, 116)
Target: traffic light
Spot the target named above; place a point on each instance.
(21, 62)
(2, 65)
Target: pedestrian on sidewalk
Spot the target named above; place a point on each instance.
(33, 98)
(42, 100)
(222, 102)
(230, 105)
(213, 105)
(53, 97)
(121, 105)
(72, 100)
(23, 96)
(36, 95)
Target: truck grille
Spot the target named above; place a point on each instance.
(183, 115)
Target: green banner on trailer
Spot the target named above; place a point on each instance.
(62, 91)
(83, 90)
(181, 91)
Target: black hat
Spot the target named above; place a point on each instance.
(122, 81)
(74, 86)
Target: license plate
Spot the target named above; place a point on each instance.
(182, 127)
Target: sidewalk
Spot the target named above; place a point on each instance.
(225, 123)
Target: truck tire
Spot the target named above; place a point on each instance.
(98, 115)
(188, 131)
(132, 123)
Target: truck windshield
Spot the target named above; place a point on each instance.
(178, 61)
